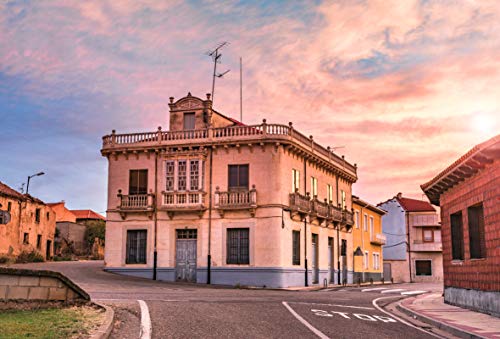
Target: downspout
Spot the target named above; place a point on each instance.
(305, 226)
(338, 233)
(155, 253)
(209, 256)
(407, 217)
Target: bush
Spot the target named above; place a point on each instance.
(95, 229)
(33, 256)
(4, 259)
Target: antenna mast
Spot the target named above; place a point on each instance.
(241, 90)
(216, 58)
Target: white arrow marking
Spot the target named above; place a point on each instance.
(396, 290)
(373, 289)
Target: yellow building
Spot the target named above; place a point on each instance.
(368, 237)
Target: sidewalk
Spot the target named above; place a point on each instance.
(461, 322)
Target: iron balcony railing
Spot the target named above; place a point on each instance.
(136, 201)
(232, 133)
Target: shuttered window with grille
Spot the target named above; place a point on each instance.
(136, 246)
(238, 246)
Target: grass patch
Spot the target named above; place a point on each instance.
(71, 322)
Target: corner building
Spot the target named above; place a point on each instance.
(215, 201)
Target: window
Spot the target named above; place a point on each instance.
(189, 119)
(376, 261)
(329, 190)
(238, 246)
(423, 267)
(138, 182)
(39, 241)
(365, 222)
(169, 175)
(365, 261)
(181, 175)
(342, 196)
(428, 235)
(238, 176)
(356, 218)
(476, 232)
(136, 246)
(295, 180)
(314, 187)
(457, 236)
(372, 227)
(47, 215)
(26, 238)
(9, 206)
(187, 234)
(343, 248)
(194, 175)
(296, 247)
(37, 215)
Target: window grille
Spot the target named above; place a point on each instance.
(194, 175)
(296, 247)
(187, 234)
(169, 175)
(181, 175)
(238, 246)
(136, 246)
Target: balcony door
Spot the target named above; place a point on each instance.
(314, 254)
(185, 259)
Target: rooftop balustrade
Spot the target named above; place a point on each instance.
(229, 134)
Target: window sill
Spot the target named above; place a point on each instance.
(457, 262)
(477, 259)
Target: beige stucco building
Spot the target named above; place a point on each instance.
(213, 200)
(31, 226)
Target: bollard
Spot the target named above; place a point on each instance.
(392, 280)
(359, 281)
(325, 283)
(371, 281)
(382, 280)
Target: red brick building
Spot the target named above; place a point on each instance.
(468, 192)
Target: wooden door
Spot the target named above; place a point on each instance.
(314, 265)
(185, 259)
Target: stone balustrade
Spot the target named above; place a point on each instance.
(235, 200)
(136, 201)
(229, 134)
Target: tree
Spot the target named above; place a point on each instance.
(95, 229)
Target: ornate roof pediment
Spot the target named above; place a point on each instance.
(187, 103)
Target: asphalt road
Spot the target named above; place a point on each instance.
(200, 311)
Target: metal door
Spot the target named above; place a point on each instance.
(314, 266)
(387, 271)
(185, 259)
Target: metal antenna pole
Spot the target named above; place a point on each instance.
(216, 56)
(241, 90)
(215, 70)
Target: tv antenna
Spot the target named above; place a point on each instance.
(216, 55)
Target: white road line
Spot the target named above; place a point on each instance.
(374, 289)
(374, 302)
(413, 292)
(335, 305)
(145, 321)
(396, 290)
(304, 322)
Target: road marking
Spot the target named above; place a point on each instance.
(396, 290)
(374, 289)
(145, 321)
(413, 292)
(304, 322)
(374, 302)
(360, 316)
(335, 305)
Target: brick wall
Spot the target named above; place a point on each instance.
(479, 274)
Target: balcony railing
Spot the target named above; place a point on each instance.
(137, 202)
(232, 133)
(319, 209)
(183, 200)
(422, 246)
(348, 217)
(236, 200)
(300, 203)
(335, 213)
(378, 239)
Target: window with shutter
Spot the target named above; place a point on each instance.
(457, 236)
(189, 121)
(477, 244)
(138, 182)
(238, 176)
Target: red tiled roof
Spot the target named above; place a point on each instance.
(7, 191)
(414, 205)
(87, 214)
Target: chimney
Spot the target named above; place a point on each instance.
(399, 195)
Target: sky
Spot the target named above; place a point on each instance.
(403, 87)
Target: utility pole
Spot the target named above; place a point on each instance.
(216, 58)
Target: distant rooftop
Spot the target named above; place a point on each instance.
(87, 214)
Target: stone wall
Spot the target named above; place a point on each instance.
(21, 284)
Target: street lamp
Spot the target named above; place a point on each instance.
(31, 176)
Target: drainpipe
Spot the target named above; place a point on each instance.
(209, 256)
(305, 226)
(155, 253)
(408, 238)
(338, 233)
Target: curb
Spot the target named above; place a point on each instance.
(104, 330)
(440, 325)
